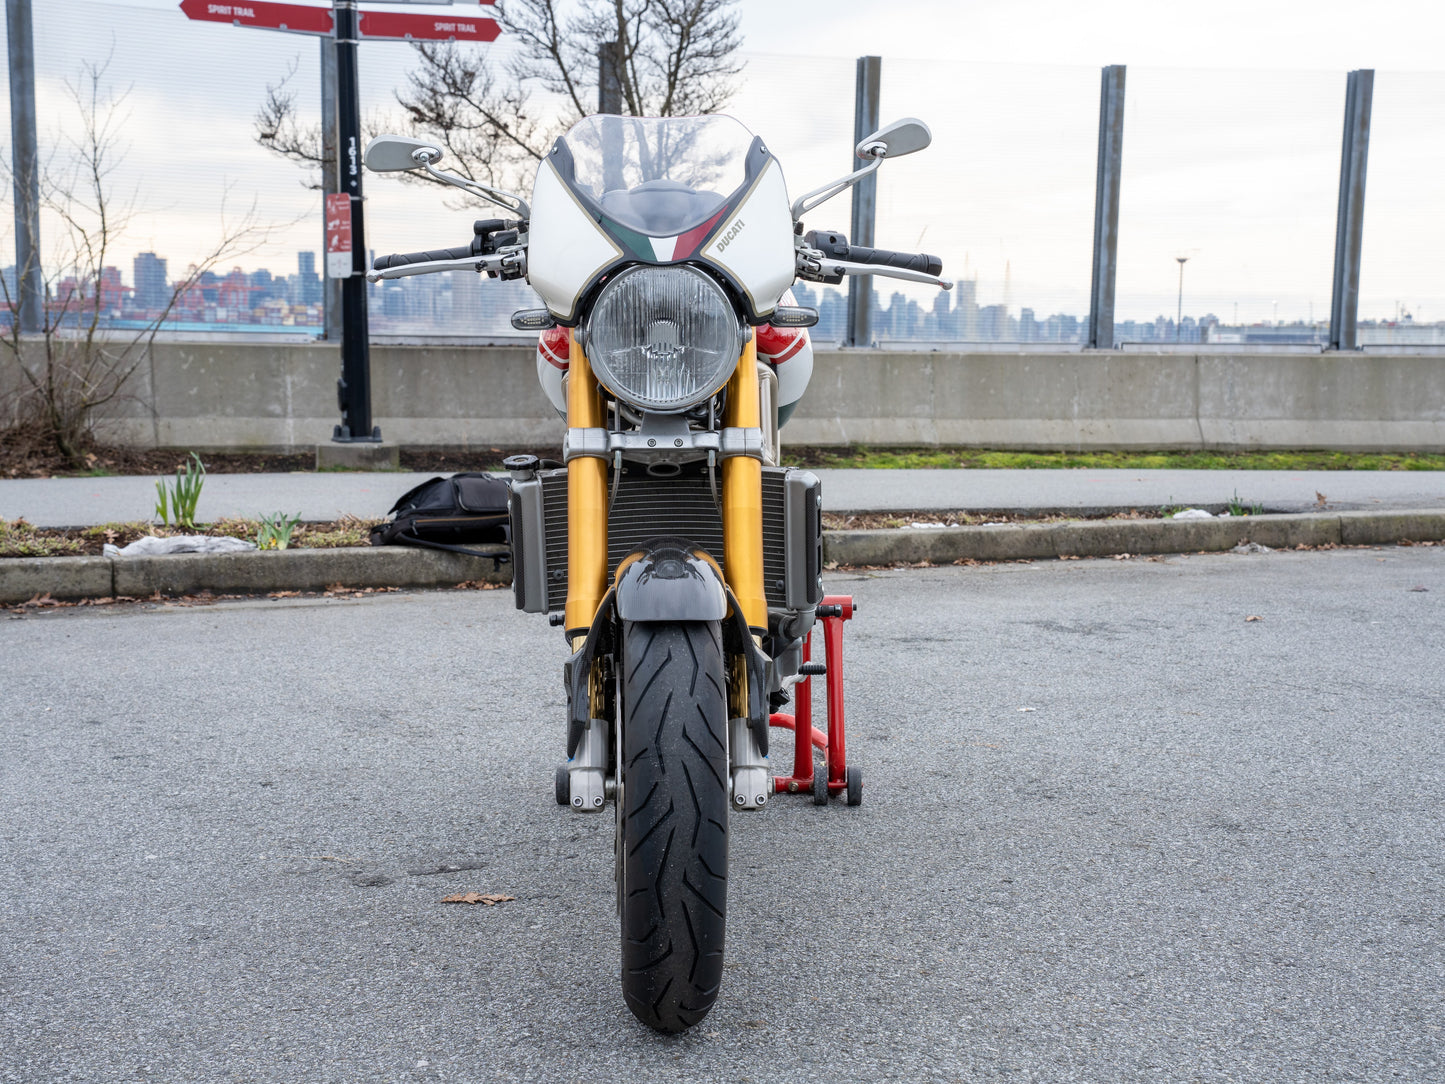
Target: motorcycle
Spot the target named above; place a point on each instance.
(681, 561)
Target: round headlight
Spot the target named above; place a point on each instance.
(663, 339)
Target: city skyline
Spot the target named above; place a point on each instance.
(462, 304)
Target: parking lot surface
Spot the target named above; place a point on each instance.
(1143, 820)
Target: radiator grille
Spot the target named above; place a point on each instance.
(646, 507)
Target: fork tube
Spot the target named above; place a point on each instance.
(586, 502)
(742, 478)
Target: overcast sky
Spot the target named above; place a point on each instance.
(1231, 147)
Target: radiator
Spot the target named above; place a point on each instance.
(647, 507)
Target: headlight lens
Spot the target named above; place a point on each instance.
(663, 338)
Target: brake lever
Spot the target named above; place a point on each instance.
(812, 264)
(511, 261)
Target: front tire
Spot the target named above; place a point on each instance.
(674, 821)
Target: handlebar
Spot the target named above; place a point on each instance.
(921, 262)
(826, 256)
(401, 259)
(489, 234)
(836, 247)
(496, 249)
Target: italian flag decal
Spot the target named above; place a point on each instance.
(664, 249)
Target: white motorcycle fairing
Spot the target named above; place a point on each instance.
(566, 248)
(616, 191)
(754, 246)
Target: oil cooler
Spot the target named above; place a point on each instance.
(646, 507)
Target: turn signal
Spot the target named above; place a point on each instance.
(792, 316)
(541, 320)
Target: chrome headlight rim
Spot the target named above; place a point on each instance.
(608, 377)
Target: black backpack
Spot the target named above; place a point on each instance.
(451, 514)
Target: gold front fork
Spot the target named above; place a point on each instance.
(742, 495)
(742, 478)
(586, 502)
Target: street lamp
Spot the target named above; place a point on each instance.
(1179, 316)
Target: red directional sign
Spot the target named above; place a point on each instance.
(404, 25)
(338, 235)
(265, 14)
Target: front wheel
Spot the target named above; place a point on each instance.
(673, 821)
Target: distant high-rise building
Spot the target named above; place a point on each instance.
(305, 285)
(152, 291)
(993, 323)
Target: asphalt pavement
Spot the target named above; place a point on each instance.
(1124, 820)
(80, 502)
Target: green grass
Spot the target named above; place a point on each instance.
(952, 458)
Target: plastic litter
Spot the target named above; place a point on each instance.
(151, 546)
(1192, 513)
(1251, 547)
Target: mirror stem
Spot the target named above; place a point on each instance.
(818, 196)
(505, 200)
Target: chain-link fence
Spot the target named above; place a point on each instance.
(1229, 178)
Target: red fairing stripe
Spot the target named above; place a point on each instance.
(688, 243)
(777, 344)
(798, 344)
(555, 345)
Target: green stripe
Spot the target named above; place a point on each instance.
(639, 243)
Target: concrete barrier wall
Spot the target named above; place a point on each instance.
(283, 396)
(1108, 399)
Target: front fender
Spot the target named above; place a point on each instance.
(670, 579)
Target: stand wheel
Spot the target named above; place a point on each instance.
(855, 785)
(563, 783)
(820, 784)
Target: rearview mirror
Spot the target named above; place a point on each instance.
(892, 140)
(393, 153)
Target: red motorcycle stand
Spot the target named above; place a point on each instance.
(833, 776)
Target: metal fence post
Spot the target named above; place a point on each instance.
(330, 183)
(29, 296)
(1350, 219)
(609, 78)
(1106, 208)
(865, 201)
(609, 101)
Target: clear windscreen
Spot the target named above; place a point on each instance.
(659, 175)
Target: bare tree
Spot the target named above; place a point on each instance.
(675, 58)
(278, 128)
(76, 367)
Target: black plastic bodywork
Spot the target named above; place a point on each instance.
(668, 581)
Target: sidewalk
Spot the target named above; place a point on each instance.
(81, 502)
(1359, 508)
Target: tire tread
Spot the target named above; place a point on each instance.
(675, 838)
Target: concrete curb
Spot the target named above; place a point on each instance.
(255, 572)
(1101, 538)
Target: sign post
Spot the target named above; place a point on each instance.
(345, 225)
(353, 390)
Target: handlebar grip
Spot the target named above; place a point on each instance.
(401, 259)
(909, 261)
